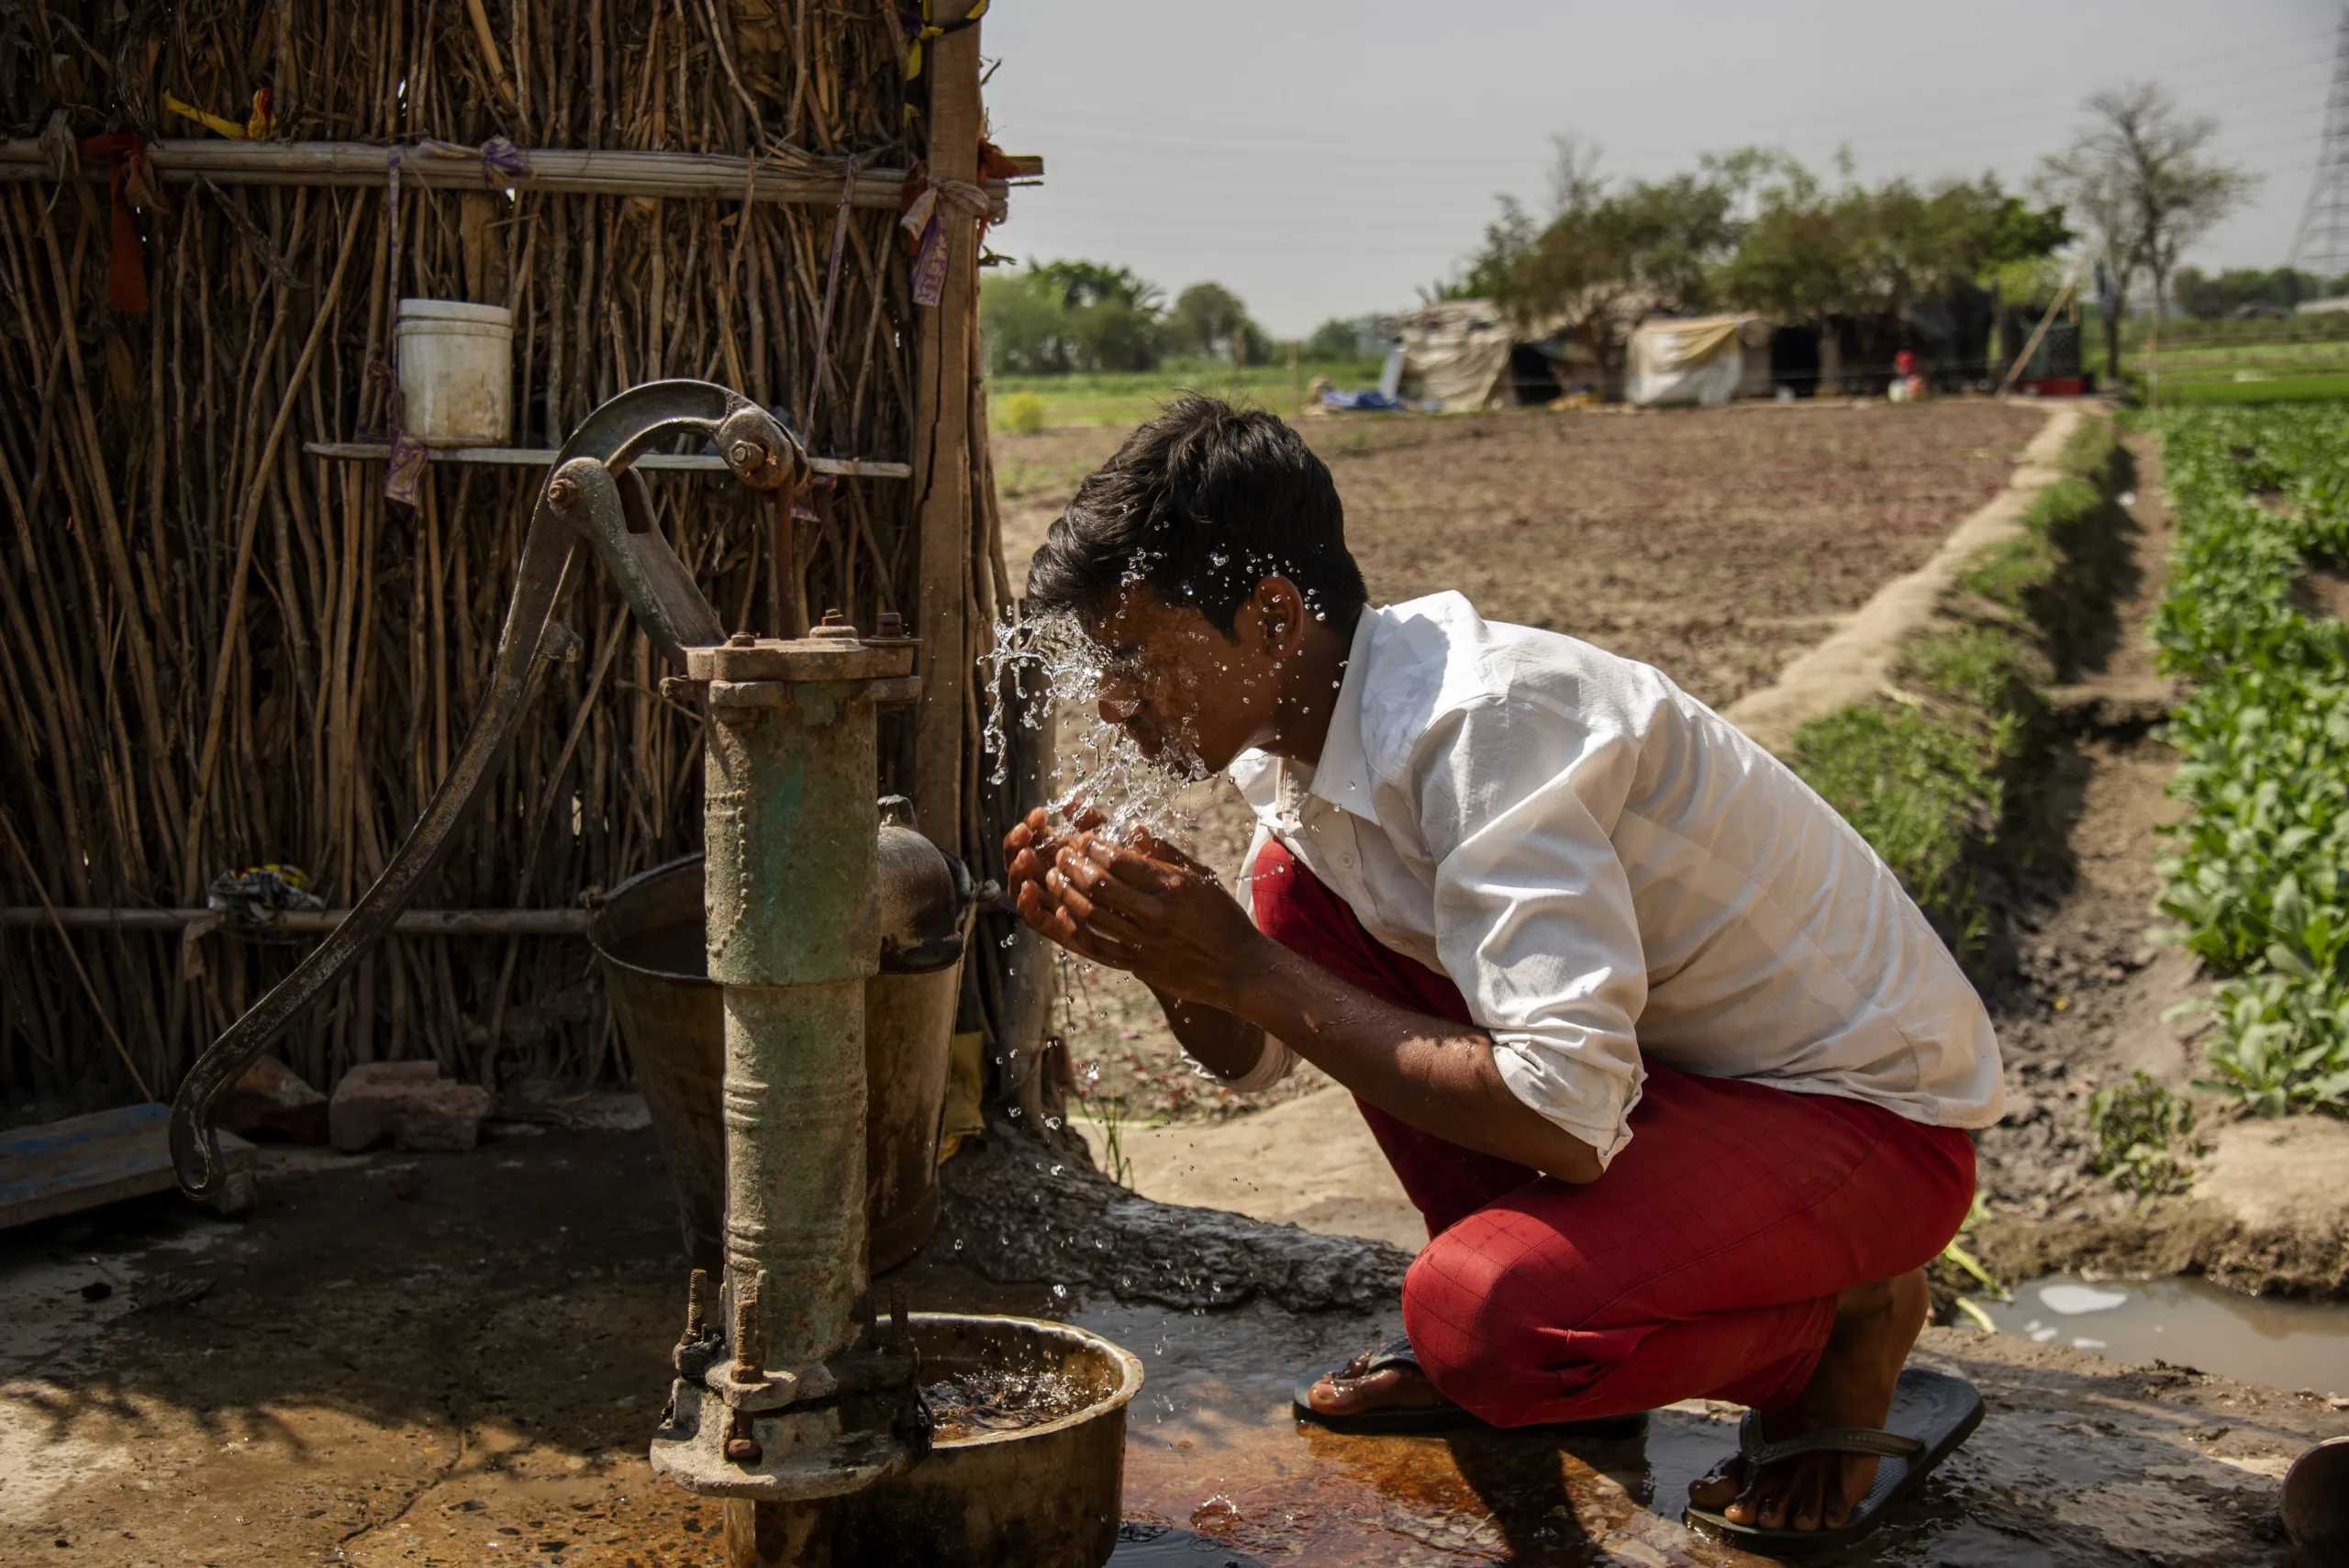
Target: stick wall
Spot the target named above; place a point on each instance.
(217, 652)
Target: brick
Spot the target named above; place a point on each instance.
(410, 1104)
(271, 1097)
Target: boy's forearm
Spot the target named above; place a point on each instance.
(1437, 1075)
(1226, 1045)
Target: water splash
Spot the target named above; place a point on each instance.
(988, 1399)
(1097, 764)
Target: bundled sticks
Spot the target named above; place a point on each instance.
(217, 652)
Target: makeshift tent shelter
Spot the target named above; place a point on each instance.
(1465, 354)
(1703, 360)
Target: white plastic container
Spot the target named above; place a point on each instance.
(456, 372)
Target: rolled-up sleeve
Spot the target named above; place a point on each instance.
(1533, 912)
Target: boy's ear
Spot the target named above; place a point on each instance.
(1279, 608)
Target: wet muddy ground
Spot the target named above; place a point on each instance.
(456, 1359)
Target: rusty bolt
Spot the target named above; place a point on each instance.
(563, 491)
(748, 457)
(891, 624)
(742, 640)
(743, 1451)
(748, 1363)
(834, 625)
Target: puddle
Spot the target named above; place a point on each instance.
(1213, 1448)
(2284, 1343)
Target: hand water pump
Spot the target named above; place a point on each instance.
(788, 1391)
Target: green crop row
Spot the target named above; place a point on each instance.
(2259, 877)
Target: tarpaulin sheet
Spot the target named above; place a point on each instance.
(1454, 354)
(1700, 359)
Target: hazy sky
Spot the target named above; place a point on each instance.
(1326, 159)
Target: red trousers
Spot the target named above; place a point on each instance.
(1705, 1263)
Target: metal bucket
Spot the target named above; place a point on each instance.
(1040, 1496)
(649, 937)
(2316, 1502)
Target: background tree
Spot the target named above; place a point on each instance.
(1871, 252)
(1211, 322)
(2136, 175)
(1068, 315)
(1335, 339)
(1023, 324)
(1606, 254)
(1794, 260)
(2208, 298)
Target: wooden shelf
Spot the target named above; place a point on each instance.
(541, 457)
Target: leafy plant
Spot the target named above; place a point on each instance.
(2144, 1137)
(1920, 787)
(1023, 412)
(2258, 876)
(1957, 1255)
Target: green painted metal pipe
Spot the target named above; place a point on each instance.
(791, 830)
(790, 825)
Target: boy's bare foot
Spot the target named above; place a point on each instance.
(1353, 1390)
(1854, 1385)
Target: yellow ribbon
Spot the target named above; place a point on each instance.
(254, 128)
(932, 30)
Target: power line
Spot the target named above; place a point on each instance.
(1965, 113)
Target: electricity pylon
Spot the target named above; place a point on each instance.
(2322, 244)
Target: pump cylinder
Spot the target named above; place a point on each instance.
(791, 826)
(801, 1407)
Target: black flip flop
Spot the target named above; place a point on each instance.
(1932, 1414)
(1445, 1418)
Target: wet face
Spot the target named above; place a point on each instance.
(1190, 697)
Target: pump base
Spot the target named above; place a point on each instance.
(804, 1452)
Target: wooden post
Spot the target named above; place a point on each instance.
(942, 454)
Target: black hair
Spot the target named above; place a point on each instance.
(1202, 504)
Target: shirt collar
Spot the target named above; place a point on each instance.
(1342, 775)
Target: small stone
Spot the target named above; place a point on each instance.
(411, 1105)
(271, 1097)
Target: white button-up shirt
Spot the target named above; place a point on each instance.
(1608, 870)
